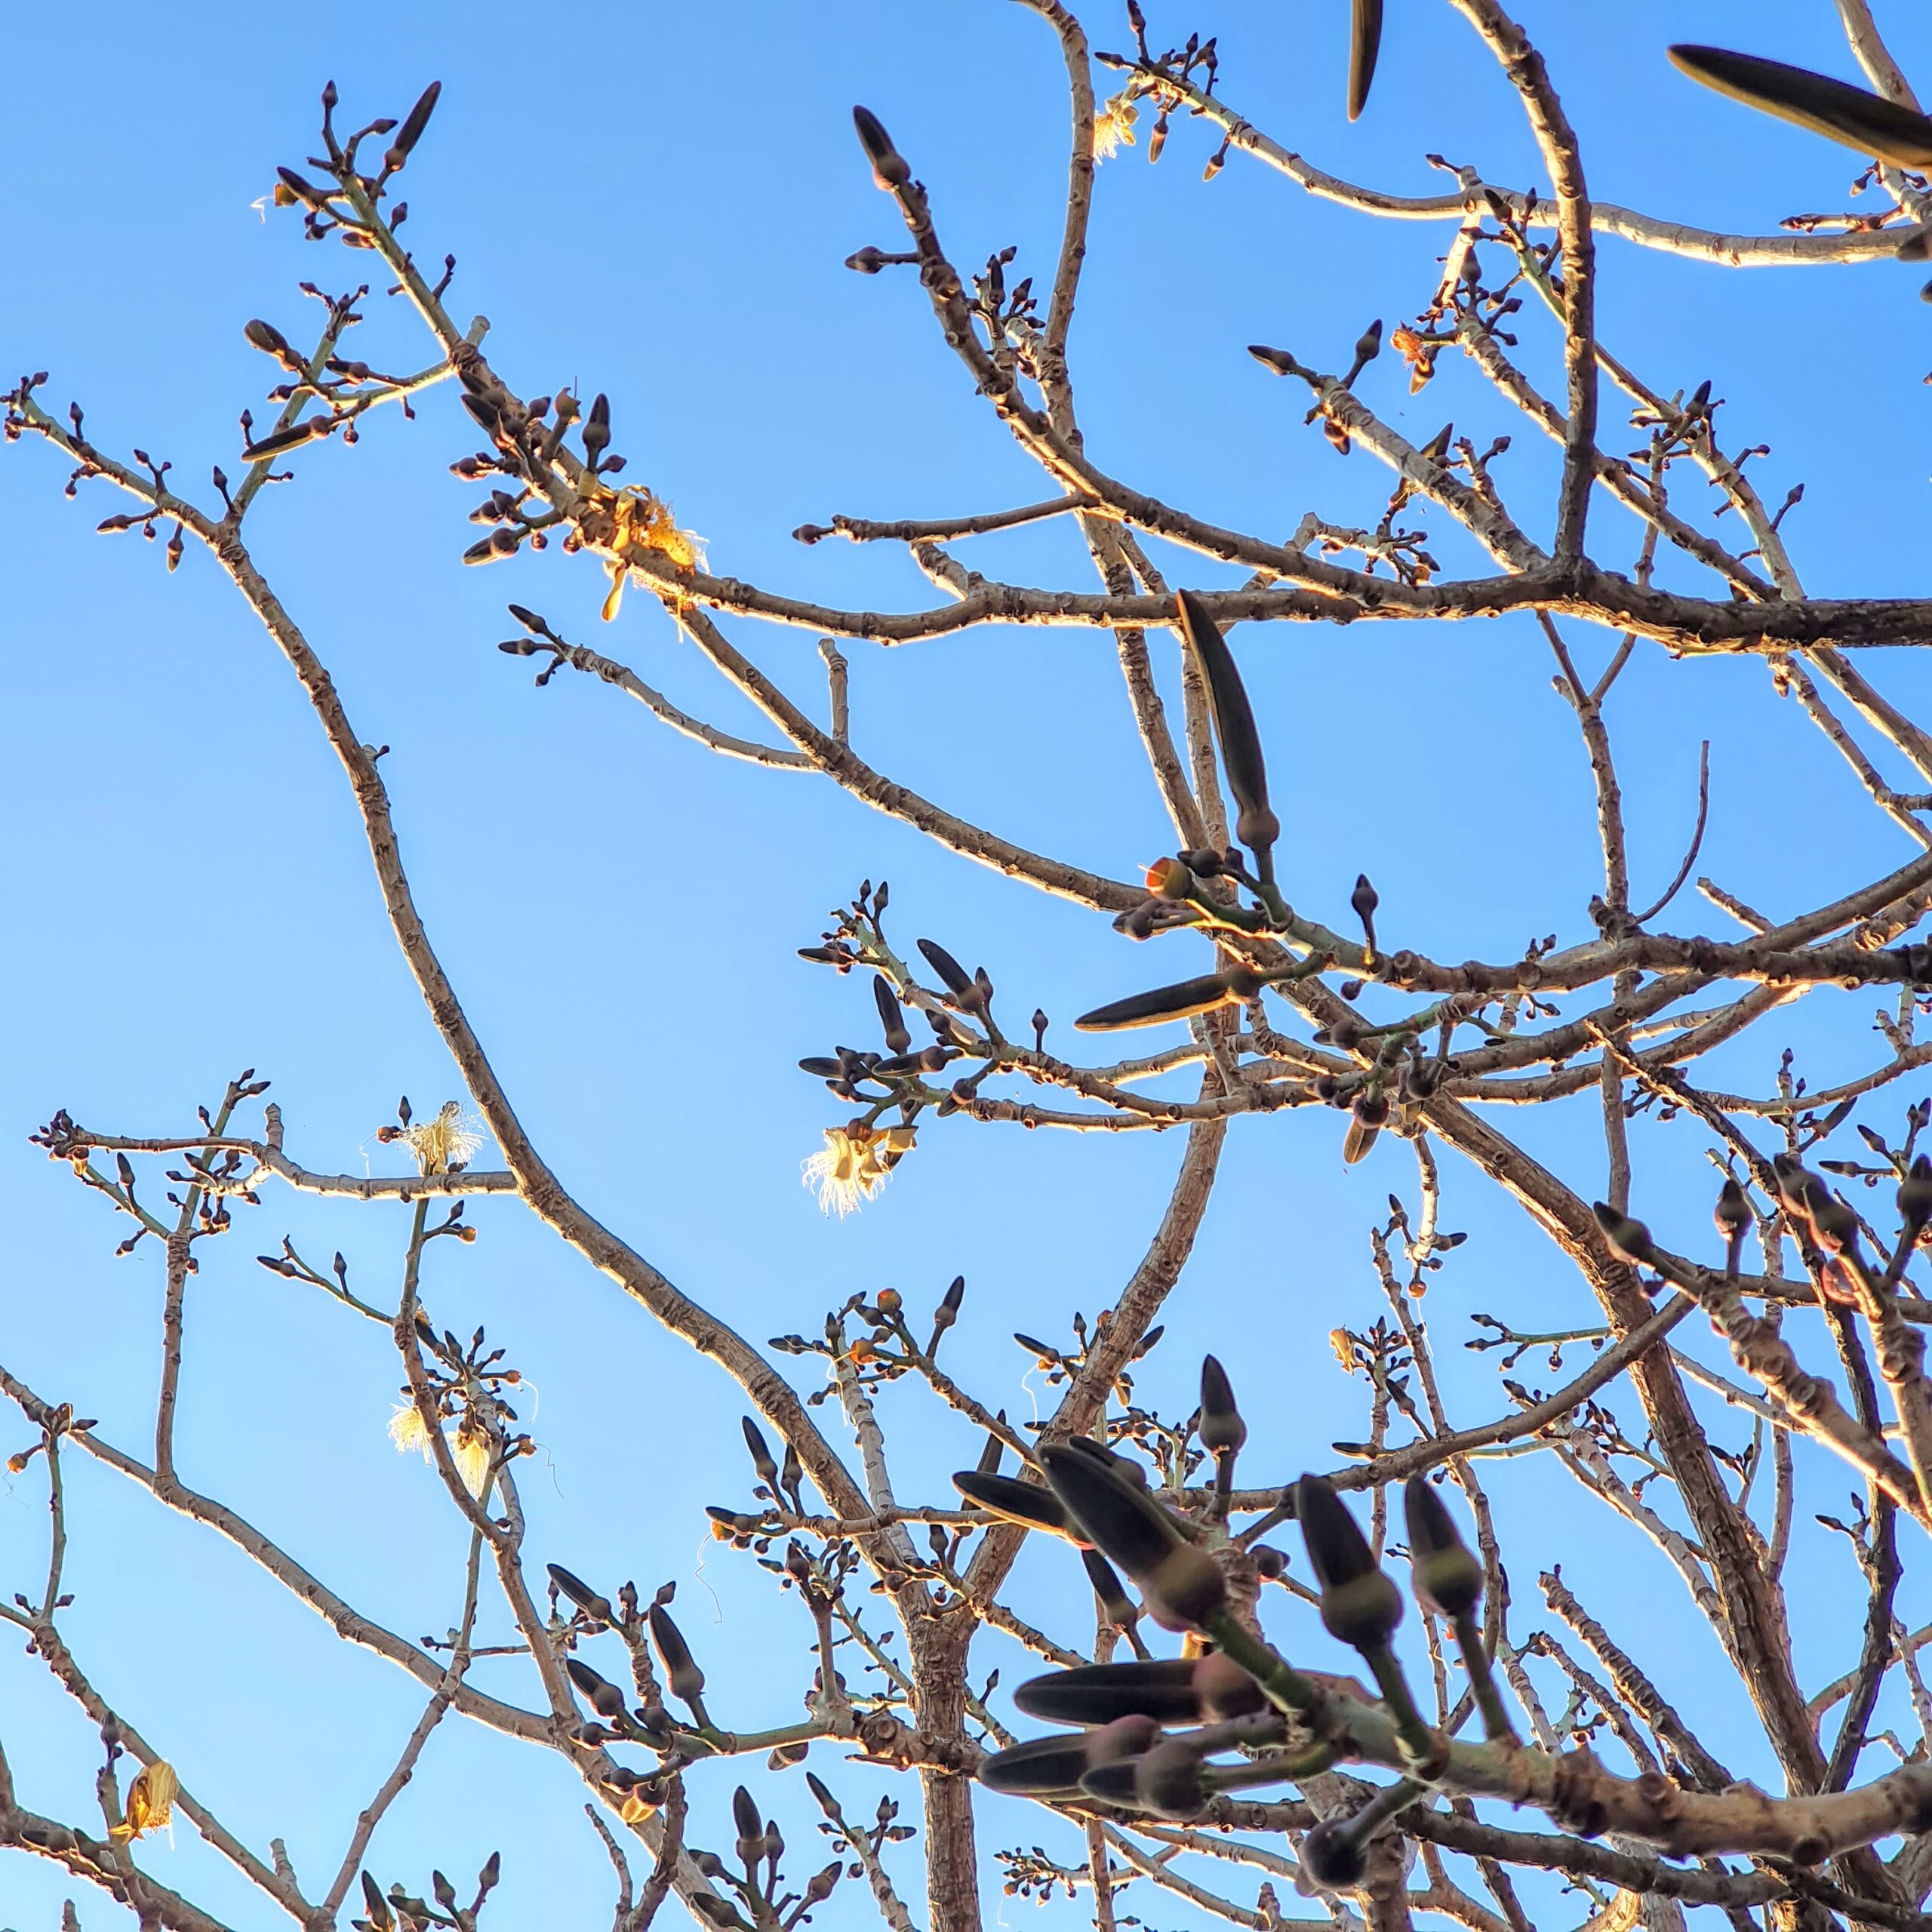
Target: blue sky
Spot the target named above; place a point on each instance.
(656, 202)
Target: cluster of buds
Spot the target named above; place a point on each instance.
(399, 1910)
(1155, 1735)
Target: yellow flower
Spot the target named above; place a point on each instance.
(855, 1163)
(408, 1431)
(443, 1142)
(473, 1449)
(150, 1802)
(645, 519)
(1113, 126)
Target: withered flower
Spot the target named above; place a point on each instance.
(150, 1802)
(645, 520)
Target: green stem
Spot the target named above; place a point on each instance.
(1497, 1727)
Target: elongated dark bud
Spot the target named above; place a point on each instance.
(1448, 1579)
(1256, 827)
(681, 1674)
(596, 430)
(580, 1593)
(1916, 1199)
(604, 1696)
(1179, 1002)
(1026, 1503)
(1448, 1575)
(1223, 1431)
(1045, 1764)
(891, 1016)
(1038, 1768)
(1629, 1240)
(270, 341)
(1160, 1689)
(1123, 1467)
(1359, 1605)
(762, 1459)
(1834, 109)
(1119, 1609)
(411, 132)
(1182, 1584)
(750, 1826)
(958, 981)
(282, 440)
(1364, 45)
(889, 168)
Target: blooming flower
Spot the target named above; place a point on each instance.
(472, 1451)
(408, 1431)
(1113, 126)
(854, 1164)
(643, 519)
(447, 1141)
(150, 1802)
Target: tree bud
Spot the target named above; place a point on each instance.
(1359, 1605)
(1447, 1574)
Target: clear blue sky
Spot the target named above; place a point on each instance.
(655, 201)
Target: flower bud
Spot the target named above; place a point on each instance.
(892, 1017)
(1182, 1584)
(1364, 43)
(680, 1671)
(580, 1593)
(1179, 1002)
(1224, 1689)
(1359, 1605)
(1221, 1430)
(889, 168)
(1733, 1212)
(1447, 1575)
(1915, 1195)
(1026, 1503)
(1168, 1780)
(1629, 1240)
(1161, 1689)
(411, 129)
(1833, 109)
(1331, 1857)
(1258, 827)
(605, 1699)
